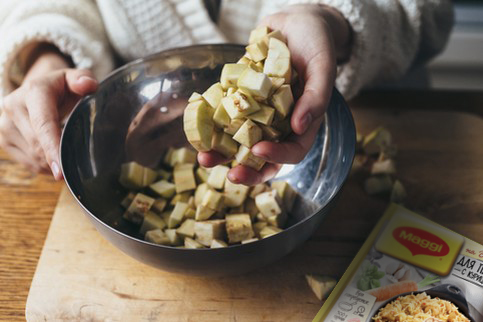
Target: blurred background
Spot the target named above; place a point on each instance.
(460, 66)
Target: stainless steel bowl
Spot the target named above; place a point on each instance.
(136, 114)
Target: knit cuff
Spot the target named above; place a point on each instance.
(23, 29)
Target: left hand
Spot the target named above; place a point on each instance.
(317, 36)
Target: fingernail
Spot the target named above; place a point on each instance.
(85, 78)
(305, 122)
(233, 178)
(55, 169)
(259, 154)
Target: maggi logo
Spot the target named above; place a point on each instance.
(419, 241)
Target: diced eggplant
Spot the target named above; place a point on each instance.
(138, 208)
(151, 221)
(238, 227)
(184, 178)
(157, 236)
(187, 228)
(207, 231)
(177, 215)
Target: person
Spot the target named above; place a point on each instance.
(55, 51)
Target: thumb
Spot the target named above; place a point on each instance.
(80, 81)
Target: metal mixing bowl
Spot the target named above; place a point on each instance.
(136, 114)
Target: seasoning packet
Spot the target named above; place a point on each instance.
(410, 269)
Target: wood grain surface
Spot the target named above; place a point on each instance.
(440, 161)
(27, 202)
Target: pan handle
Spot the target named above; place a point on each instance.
(452, 292)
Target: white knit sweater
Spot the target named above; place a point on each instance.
(389, 35)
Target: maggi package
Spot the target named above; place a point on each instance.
(410, 269)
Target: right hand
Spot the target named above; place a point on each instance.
(30, 120)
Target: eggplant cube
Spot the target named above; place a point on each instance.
(238, 227)
(258, 226)
(174, 238)
(282, 100)
(138, 208)
(230, 74)
(245, 157)
(135, 176)
(200, 193)
(269, 231)
(212, 200)
(234, 125)
(257, 51)
(213, 95)
(217, 243)
(198, 124)
(221, 117)
(157, 236)
(224, 144)
(184, 177)
(187, 228)
(286, 193)
(257, 34)
(203, 213)
(163, 188)
(239, 104)
(235, 194)
(264, 115)
(268, 203)
(207, 231)
(177, 215)
(151, 221)
(182, 155)
(217, 176)
(191, 243)
(258, 85)
(248, 134)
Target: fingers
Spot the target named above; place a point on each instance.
(15, 145)
(46, 98)
(30, 126)
(311, 106)
(315, 62)
(239, 174)
(80, 81)
(211, 159)
(316, 65)
(245, 175)
(292, 150)
(282, 152)
(42, 101)
(18, 115)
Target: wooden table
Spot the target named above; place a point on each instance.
(443, 182)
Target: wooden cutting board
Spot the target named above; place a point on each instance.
(81, 277)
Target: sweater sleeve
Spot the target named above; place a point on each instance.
(389, 37)
(73, 26)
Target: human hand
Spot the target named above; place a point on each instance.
(318, 37)
(31, 116)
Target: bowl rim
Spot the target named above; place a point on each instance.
(168, 52)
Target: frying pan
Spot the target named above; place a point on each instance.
(447, 292)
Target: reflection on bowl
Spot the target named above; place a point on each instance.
(136, 114)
